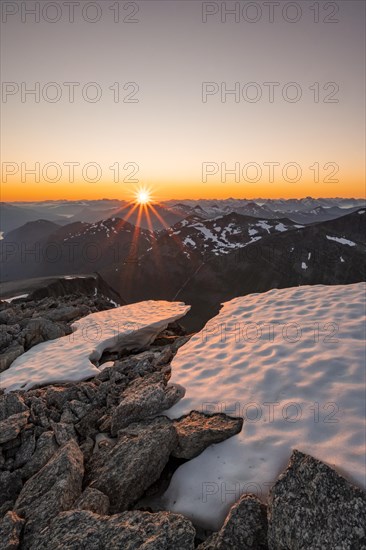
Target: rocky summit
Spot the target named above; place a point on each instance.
(80, 461)
(45, 308)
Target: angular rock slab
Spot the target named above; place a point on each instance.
(124, 472)
(10, 528)
(11, 404)
(52, 490)
(312, 506)
(10, 486)
(196, 431)
(11, 426)
(245, 527)
(46, 447)
(142, 399)
(39, 329)
(9, 355)
(26, 449)
(130, 530)
(93, 500)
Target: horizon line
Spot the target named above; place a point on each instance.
(187, 199)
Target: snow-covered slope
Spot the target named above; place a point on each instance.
(224, 234)
(291, 362)
(71, 358)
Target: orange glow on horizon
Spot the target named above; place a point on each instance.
(179, 190)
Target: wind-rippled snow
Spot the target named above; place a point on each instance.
(291, 362)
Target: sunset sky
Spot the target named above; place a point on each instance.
(164, 137)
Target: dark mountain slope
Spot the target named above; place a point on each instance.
(12, 216)
(75, 248)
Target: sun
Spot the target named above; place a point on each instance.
(143, 196)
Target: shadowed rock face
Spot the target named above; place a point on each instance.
(132, 530)
(143, 398)
(10, 428)
(196, 431)
(85, 285)
(311, 506)
(38, 288)
(52, 490)
(10, 528)
(45, 448)
(10, 487)
(124, 472)
(245, 528)
(11, 404)
(94, 501)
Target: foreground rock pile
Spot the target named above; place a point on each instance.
(77, 460)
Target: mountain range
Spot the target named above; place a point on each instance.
(166, 214)
(197, 258)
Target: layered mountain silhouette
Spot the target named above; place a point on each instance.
(166, 214)
(43, 248)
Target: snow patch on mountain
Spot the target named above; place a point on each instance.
(341, 240)
(73, 358)
(9, 300)
(223, 234)
(188, 240)
(264, 225)
(280, 227)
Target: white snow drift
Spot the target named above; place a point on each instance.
(341, 240)
(70, 358)
(291, 363)
(9, 300)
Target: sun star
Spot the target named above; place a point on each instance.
(143, 196)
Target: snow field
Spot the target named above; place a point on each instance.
(291, 362)
(71, 358)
